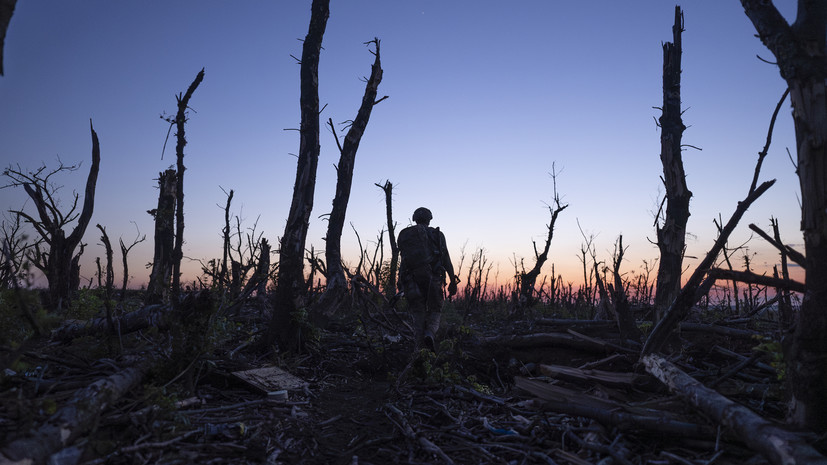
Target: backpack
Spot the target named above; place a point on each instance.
(419, 247)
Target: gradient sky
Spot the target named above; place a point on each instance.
(484, 97)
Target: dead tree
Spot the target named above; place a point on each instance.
(696, 286)
(620, 300)
(689, 292)
(159, 279)
(290, 283)
(336, 280)
(800, 50)
(60, 264)
(390, 289)
(124, 252)
(110, 276)
(528, 279)
(6, 11)
(224, 276)
(672, 234)
(14, 266)
(179, 121)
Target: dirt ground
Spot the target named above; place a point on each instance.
(371, 399)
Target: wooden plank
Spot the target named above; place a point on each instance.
(608, 378)
(270, 378)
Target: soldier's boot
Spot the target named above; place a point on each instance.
(419, 319)
(431, 327)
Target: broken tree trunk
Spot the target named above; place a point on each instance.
(576, 403)
(390, 289)
(6, 12)
(528, 279)
(61, 264)
(180, 120)
(570, 340)
(159, 279)
(77, 417)
(149, 316)
(775, 444)
(290, 288)
(688, 295)
(750, 277)
(336, 281)
(622, 309)
(800, 51)
(672, 234)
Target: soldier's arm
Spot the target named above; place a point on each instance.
(446, 258)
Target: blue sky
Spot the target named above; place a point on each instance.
(484, 97)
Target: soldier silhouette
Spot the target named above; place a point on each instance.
(425, 263)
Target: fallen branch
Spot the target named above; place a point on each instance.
(752, 278)
(777, 445)
(145, 317)
(687, 296)
(793, 254)
(552, 340)
(72, 421)
(609, 413)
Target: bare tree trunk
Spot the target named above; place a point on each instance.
(60, 264)
(528, 279)
(672, 235)
(159, 279)
(785, 305)
(223, 277)
(110, 277)
(800, 51)
(6, 12)
(291, 284)
(180, 120)
(390, 290)
(336, 280)
(623, 312)
(689, 292)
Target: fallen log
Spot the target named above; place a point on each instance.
(753, 278)
(777, 445)
(610, 413)
(76, 418)
(539, 340)
(609, 378)
(145, 317)
(722, 330)
(578, 325)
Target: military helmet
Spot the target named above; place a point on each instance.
(422, 215)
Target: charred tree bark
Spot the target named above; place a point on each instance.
(291, 284)
(672, 234)
(336, 280)
(390, 290)
(6, 12)
(159, 279)
(800, 52)
(180, 120)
